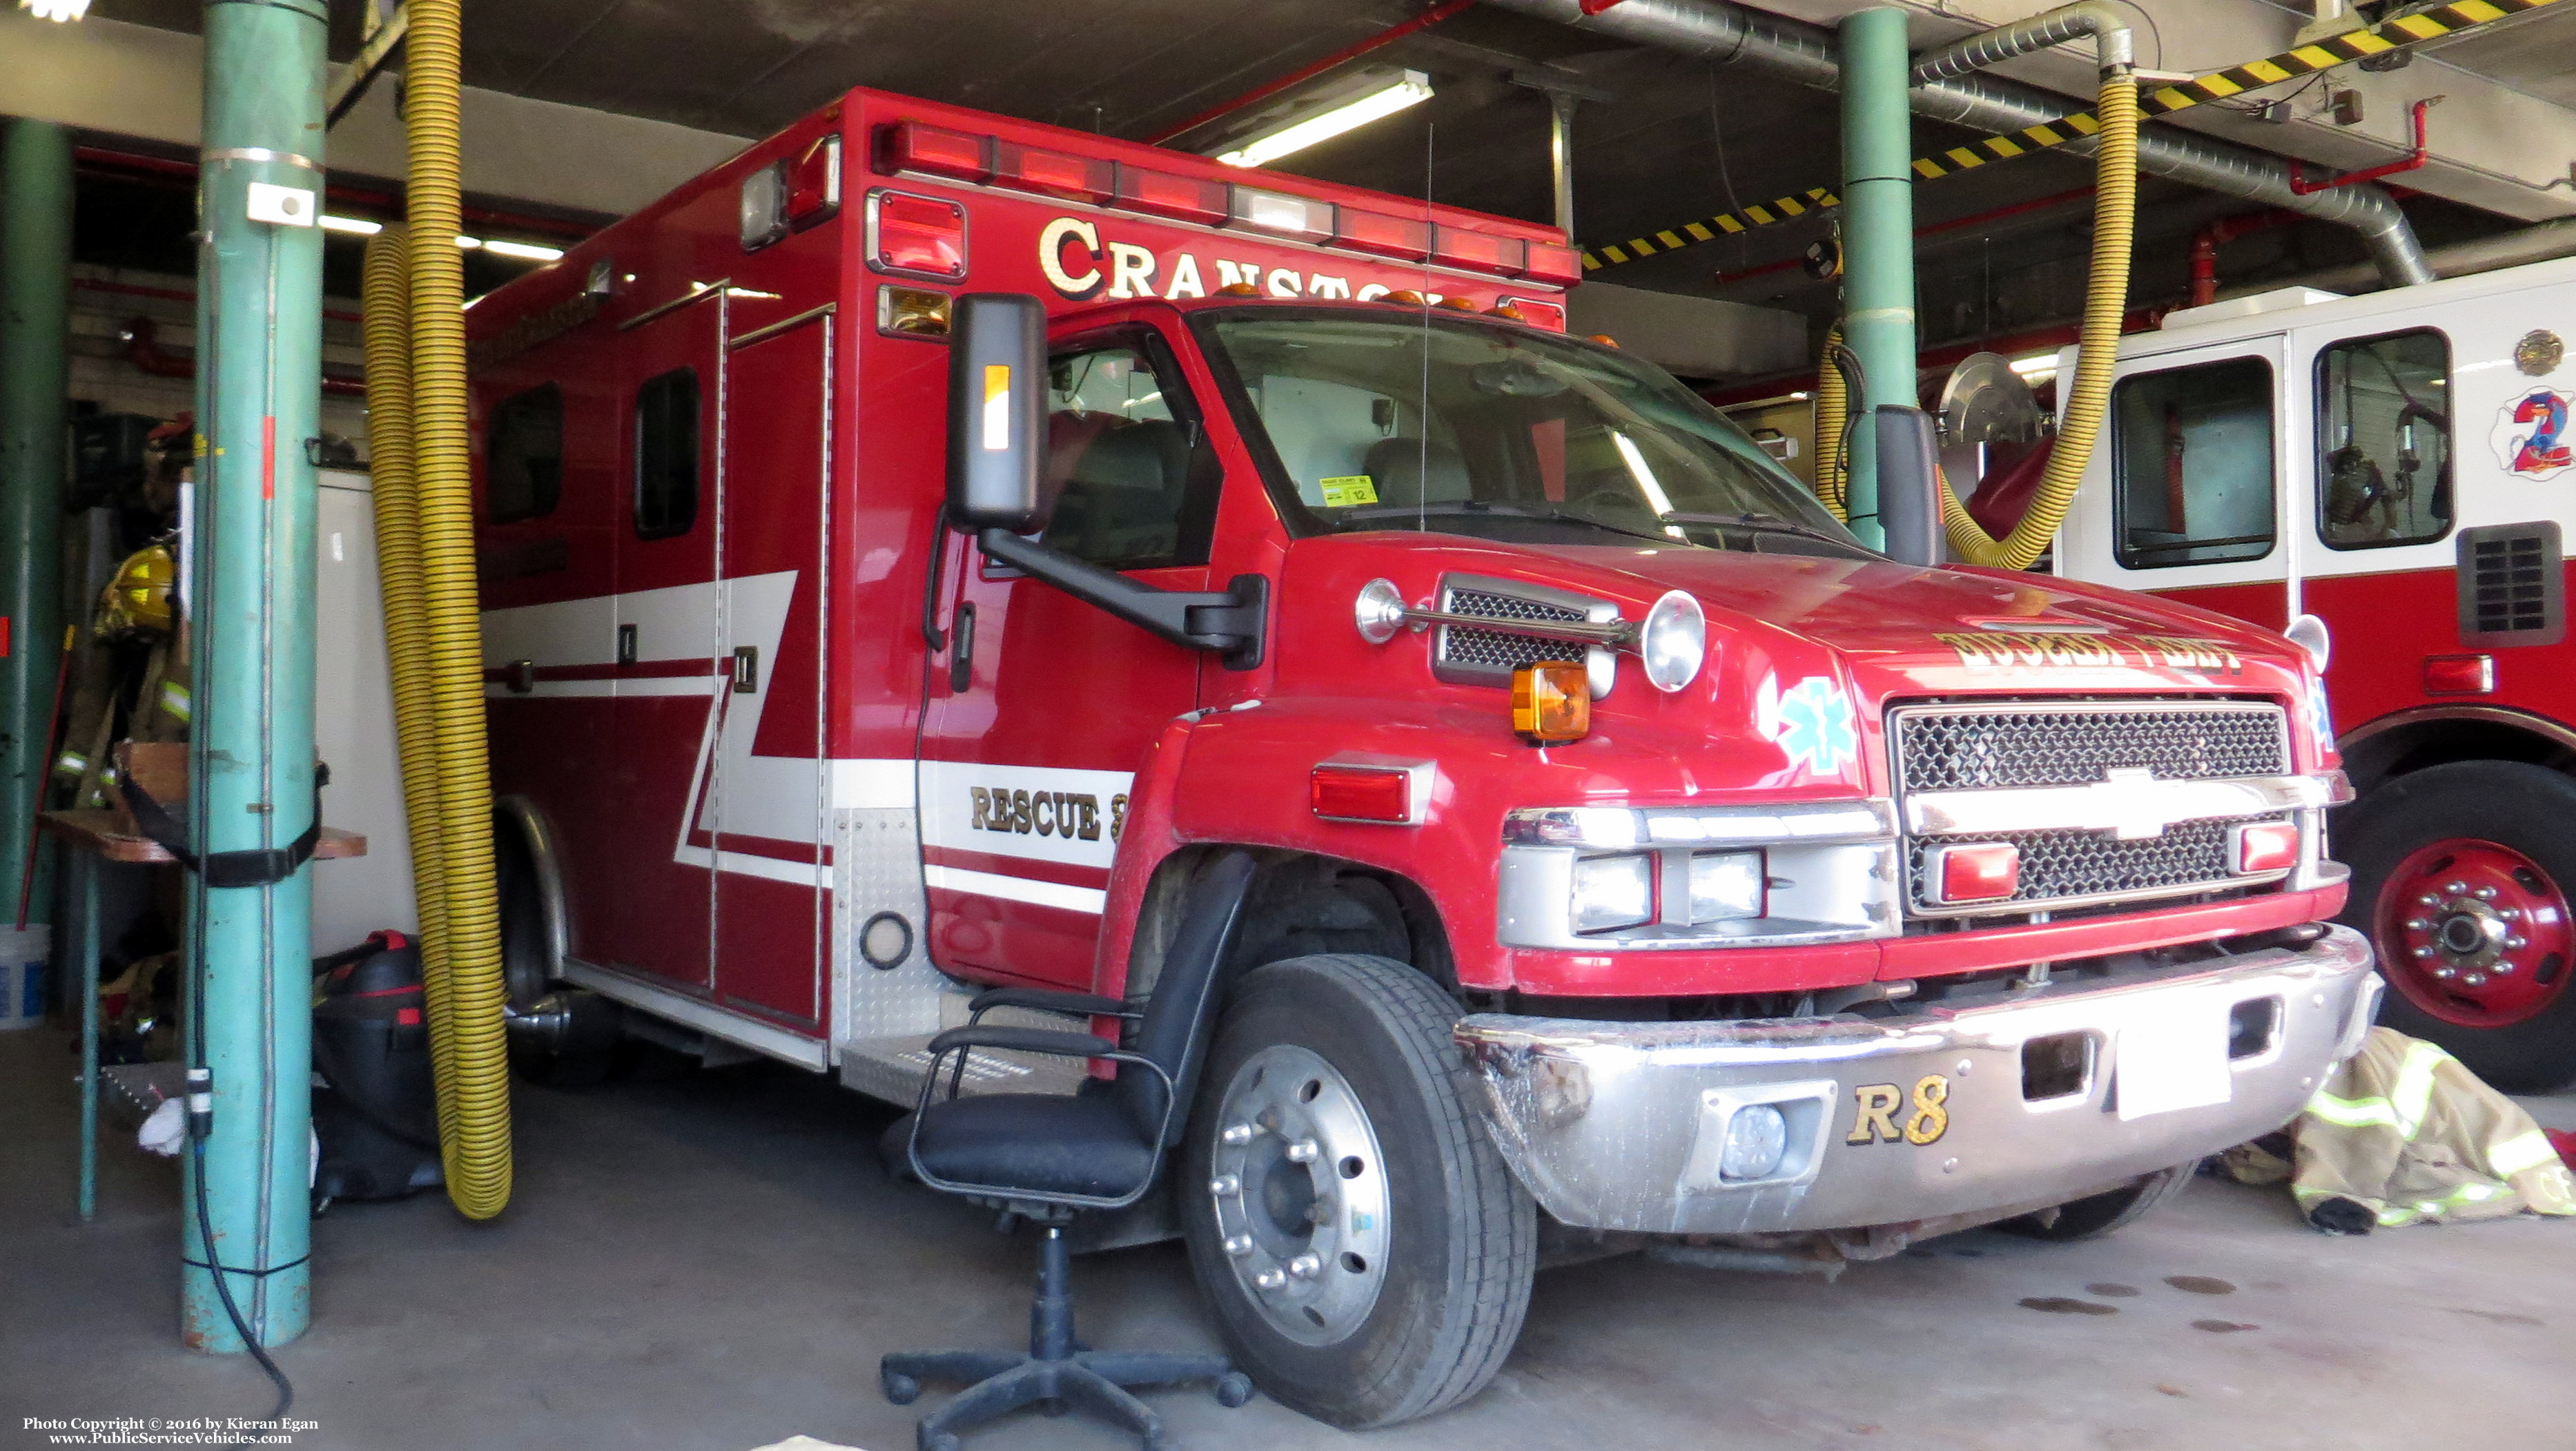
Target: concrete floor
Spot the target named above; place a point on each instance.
(713, 1261)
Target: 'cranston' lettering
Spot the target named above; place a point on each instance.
(1079, 265)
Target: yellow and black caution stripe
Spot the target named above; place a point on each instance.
(2352, 45)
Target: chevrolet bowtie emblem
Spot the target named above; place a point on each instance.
(2133, 802)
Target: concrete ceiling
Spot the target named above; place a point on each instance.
(1680, 139)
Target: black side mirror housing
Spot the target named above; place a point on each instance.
(1909, 483)
(997, 417)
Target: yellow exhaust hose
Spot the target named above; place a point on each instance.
(387, 310)
(2106, 298)
(439, 661)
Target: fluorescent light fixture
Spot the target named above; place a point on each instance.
(55, 9)
(1384, 97)
(2042, 365)
(522, 250)
(469, 243)
(355, 226)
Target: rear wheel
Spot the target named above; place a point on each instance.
(559, 1034)
(2460, 877)
(2105, 1213)
(1366, 1252)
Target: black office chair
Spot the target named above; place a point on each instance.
(1048, 1157)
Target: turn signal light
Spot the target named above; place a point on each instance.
(1387, 236)
(1551, 262)
(1985, 872)
(2266, 846)
(1053, 173)
(1552, 702)
(1482, 251)
(1362, 793)
(1182, 198)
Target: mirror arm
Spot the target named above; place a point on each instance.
(1233, 622)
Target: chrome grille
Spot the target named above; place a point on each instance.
(1468, 655)
(2008, 745)
(2060, 865)
(2062, 745)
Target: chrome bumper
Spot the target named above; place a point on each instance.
(1620, 1125)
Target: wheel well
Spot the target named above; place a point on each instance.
(1299, 904)
(2403, 750)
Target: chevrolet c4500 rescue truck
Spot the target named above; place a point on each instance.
(1643, 864)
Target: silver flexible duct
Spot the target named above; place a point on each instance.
(1724, 34)
(2106, 23)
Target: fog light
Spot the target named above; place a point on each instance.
(1725, 885)
(1757, 1138)
(1613, 891)
(2266, 846)
(1983, 872)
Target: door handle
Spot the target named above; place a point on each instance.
(961, 651)
(522, 677)
(746, 669)
(626, 644)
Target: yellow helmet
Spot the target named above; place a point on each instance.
(138, 599)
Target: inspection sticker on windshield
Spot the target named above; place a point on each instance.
(1348, 491)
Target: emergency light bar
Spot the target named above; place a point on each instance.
(910, 147)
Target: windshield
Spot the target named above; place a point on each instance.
(1463, 426)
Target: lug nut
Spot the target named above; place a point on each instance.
(1237, 1135)
(2502, 969)
(2455, 888)
(2511, 914)
(2423, 952)
(1270, 1279)
(1306, 1266)
(1225, 1186)
(1302, 1152)
(2517, 941)
(2475, 979)
(2428, 900)
(2416, 924)
(2446, 973)
(1238, 1245)
(2484, 894)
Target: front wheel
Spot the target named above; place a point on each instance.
(2460, 875)
(1366, 1251)
(2108, 1212)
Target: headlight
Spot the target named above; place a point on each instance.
(1757, 1139)
(1613, 891)
(1725, 885)
(1673, 641)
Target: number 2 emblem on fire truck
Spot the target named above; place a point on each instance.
(2531, 438)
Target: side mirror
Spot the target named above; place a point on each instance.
(997, 370)
(1909, 484)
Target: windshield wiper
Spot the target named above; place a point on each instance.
(1475, 507)
(1765, 524)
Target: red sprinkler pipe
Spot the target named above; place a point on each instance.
(2299, 174)
(2217, 233)
(1395, 32)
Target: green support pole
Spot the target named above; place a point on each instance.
(35, 328)
(1878, 236)
(259, 389)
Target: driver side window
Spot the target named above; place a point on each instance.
(1134, 485)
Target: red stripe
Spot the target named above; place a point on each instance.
(268, 457)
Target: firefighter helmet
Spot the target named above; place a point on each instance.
(138, 599)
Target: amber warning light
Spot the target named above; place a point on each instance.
(1552, 702)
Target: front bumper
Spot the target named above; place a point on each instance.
(1619, 1126)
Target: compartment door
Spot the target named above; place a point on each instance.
(765, 802)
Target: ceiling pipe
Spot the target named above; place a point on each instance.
(1344, 56)
(2542, 243)
(2106, 24)
(1722, 33)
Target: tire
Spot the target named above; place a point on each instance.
(560, 1036)
(2505, 833)
(1425, 1297)
(2106, 1213)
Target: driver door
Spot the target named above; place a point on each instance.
(1039, 708)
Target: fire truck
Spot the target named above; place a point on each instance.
(2384, 476)
(1642, 863)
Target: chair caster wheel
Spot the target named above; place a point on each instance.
(1054, 1409)
(899, 1388)
(1233, 1389)
(940, 1441)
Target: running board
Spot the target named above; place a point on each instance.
(891, 1067)
(706, 1017)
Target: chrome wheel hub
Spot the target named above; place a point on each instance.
(1300, 1194)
